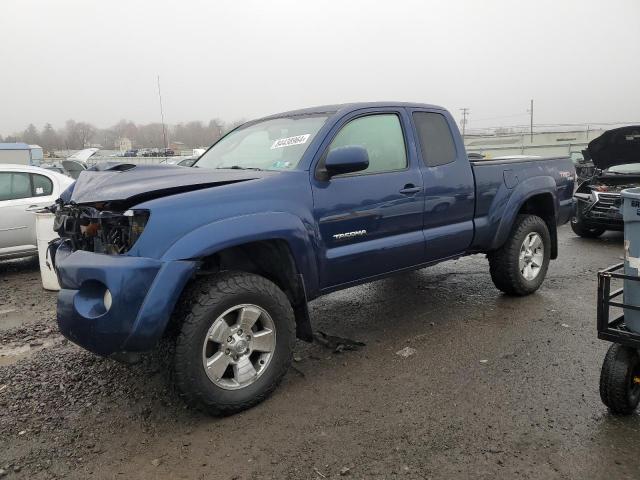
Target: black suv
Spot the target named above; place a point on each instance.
(616, 159)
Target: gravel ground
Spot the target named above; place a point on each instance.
(493, 387)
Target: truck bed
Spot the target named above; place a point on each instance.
(503, 185)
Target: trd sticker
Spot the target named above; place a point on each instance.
(289, 141)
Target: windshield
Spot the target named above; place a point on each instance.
(276, 144)
(629, 168)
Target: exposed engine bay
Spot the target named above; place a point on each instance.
(608, 184)
(94, 229)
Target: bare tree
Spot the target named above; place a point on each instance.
(86, 131)
(49, 139)
(234, 124)
(78, 134)
(31, 135)
(216, 129)
(150, 135)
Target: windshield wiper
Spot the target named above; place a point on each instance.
(238, 167)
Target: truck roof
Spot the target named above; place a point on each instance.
(349, 107)
(14, 146)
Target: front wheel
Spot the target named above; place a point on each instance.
(520, 265)
(585, 232)
(235, 343)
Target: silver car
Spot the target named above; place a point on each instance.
(24, 189)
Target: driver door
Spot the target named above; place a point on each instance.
(370, 221)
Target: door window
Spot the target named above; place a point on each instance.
(14, 185)
(381, 135)
(42, 186)
(436, 141)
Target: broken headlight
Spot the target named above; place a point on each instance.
(100, 231)
(118, 232)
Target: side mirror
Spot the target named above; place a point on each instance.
(347, 159)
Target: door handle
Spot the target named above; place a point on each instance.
(410, 189)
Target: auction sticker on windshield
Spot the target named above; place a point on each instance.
(290, 141)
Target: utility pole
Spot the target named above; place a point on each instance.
(465, 113)
(531, 122)
(164, 133)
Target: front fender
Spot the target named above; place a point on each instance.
(230, 232)
(507, 213)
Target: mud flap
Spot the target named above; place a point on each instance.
(301, 313)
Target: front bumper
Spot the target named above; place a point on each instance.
(116, 303)
(603, 213)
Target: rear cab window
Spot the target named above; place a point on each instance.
(435, 138)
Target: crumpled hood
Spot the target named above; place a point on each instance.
(131, 184)
(615, 147)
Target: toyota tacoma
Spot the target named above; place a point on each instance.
(278, 212)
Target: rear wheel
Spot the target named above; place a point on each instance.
(620, 379)
(520, 265)
(582, 230)
(235, 343)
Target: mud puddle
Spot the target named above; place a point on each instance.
(13, 354)
(12, 318)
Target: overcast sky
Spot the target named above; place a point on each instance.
(98, 60)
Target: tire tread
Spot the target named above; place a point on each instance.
(504, 274)
(614, 381)
(204, 294)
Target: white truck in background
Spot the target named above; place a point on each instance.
(21, 154)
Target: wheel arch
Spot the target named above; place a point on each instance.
(535, 196)
(275, 246)
(542, 205)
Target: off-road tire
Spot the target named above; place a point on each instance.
(209, 298)
(503, 262)
(617, 390)
(585, 232)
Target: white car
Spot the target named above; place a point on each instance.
(24, 189)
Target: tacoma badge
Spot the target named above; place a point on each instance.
(357, 233)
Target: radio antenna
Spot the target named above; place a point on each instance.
(164, 132)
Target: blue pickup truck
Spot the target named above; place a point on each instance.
(278, 212)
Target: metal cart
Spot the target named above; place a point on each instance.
(620, 375)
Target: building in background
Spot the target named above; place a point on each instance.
(21, 153)
(124, 144)
(178, 148)
(544, 144)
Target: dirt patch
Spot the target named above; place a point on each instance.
(494, 387)
(22, 298)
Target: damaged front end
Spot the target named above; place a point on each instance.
(598, 205)
(112, 301)
(117, 293)
(98, 228)
(615, 156)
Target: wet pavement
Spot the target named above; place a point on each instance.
(487, 386)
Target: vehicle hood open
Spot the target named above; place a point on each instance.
(130, 184)
(615, 147)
